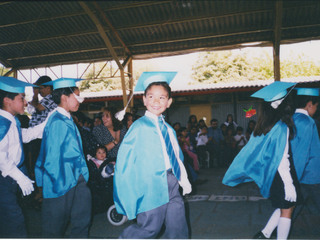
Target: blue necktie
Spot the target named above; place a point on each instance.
(170, 151)
(21, 143)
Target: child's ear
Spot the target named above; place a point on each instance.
(169, 102)
(6, 101)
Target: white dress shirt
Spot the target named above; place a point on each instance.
(10, 146)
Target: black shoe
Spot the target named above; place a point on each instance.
(259, 235)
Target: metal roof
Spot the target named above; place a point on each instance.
(46, 33)
(184, 89)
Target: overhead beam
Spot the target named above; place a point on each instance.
(116, 34)
(277, 39)
(101, 32)
(109, 45)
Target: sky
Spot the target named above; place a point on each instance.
(183, 63)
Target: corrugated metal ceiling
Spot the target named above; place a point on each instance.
(44, 33)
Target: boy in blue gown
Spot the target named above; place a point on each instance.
(147, 176)
(306, 149)
(61, 168)
(12, 167)
(267, 159)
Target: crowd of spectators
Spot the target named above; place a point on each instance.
(214, 145)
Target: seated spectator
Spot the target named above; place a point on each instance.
(110, 133)
(250, 128)
(201, 124)
(193, 121)
(229, 147)
(186, 147)
(100, 170)
(193, 134)
(202, 140)
(223, 128)
(231, 123)
(240, 139)
(127, 120)
(215, 138)
(89, 141)
(97, 120)
(176, 126)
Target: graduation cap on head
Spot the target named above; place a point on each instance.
(63, 83)
(308, 91)
(146, 78)
(275, 91)
(13, 85)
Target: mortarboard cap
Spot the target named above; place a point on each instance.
(63, 82)
(147, 78)
(13, 85)
(308, 91)
(274, 91)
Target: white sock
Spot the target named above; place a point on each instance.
(272, 223)
(284, 228)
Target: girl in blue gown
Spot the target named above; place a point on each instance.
(267, 158)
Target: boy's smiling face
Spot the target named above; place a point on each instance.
(157, 100)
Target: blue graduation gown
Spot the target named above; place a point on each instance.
(61, 159)
(4, 126)
(259, 160)
(140, 179)
(305, 148)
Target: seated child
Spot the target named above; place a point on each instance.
(100, 182)
(240, 139)
(202, 140)
(185, 147)
(102, 163)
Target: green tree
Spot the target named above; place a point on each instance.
(230, 66)
(248, 65)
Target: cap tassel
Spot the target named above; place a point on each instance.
(120, 115)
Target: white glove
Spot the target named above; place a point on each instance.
(290, 192)
(23, 181)
(284, 172)
(26, 185)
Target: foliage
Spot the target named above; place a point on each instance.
(246, 65)
(230, 66)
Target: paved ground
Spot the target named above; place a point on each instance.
(215, 212)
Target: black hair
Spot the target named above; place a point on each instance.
(268, 116)
(229, 115)
(57, 93)
(163, 84)
(302, 100)
(4, 94)
(44, 79)
(100, 147)
(239, 128)
(117, 125)
(214, 120)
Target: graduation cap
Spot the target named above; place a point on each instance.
(146, 78)
(13, 85)
(275, 91)
(63, 83)
(308, 91)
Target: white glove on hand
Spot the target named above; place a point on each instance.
(26, 185)
(290, 193)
